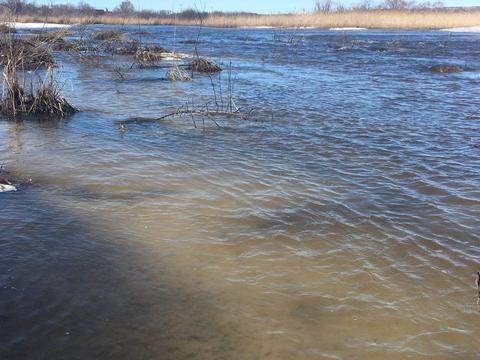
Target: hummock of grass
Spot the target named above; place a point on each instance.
(24, 53)
(151, 53)
(386, 19)
(46, 100)
(108, 35)
(204, 66)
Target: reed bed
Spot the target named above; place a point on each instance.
(386, 19)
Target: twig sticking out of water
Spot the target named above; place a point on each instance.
(222, 105)
(117, 70)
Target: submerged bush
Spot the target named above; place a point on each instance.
(204, 66)
(45, 100)
(55, 40)
(24, 53)
(446, 68)
(22, 94)
(151, 53)
(108, 35)
(124, 47)
(176, 73)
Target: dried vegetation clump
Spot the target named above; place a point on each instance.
(55, 40)
(6, 29)
(108, 35)
(151, 53)
(204, 66)
(121, 47)
(27, 87)
(45, 100)
(24, 53)
(176, 73)
(446, 68)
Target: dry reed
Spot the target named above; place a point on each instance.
(387, 19)
(176, 73)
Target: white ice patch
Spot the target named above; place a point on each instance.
(18, 25)
(6, 188)
(470, 29)
(170, 56)
(348, 29)
(257, 27)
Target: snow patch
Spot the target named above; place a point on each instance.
(256, 27)
(18, 25)
(6, 188)
(470, 29)
(348, 29)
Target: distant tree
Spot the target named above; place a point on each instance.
(339, 7)
(363, 5)
(438, 5)
(125, 8)
(324, 6)
(429, 5)
(15, 6)
(399, 4)
(85, 8)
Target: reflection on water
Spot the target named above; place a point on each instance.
(345, 227)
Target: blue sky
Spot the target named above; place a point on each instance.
(264, 6)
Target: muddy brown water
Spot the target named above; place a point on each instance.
(340, 222)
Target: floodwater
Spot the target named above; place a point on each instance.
(340, 221)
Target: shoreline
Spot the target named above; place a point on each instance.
(373, 19)
(54, 26)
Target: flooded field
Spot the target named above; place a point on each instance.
(340, 220)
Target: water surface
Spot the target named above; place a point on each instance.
(341, 221)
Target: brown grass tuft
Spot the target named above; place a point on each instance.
(152, 53)
(24, 53)
(109, 35)
(204, 66)
(176, 73)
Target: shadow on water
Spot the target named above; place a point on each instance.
(72, 288)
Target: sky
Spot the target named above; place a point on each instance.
(261, 6)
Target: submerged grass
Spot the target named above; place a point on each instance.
(22, 61)
(204, 66)
(149, 54)
(386, 19)
(45, 100)
(108, 35)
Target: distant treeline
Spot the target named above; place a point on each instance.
(363, 5)
(391, 14)
(126, 9)
(83, 9)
